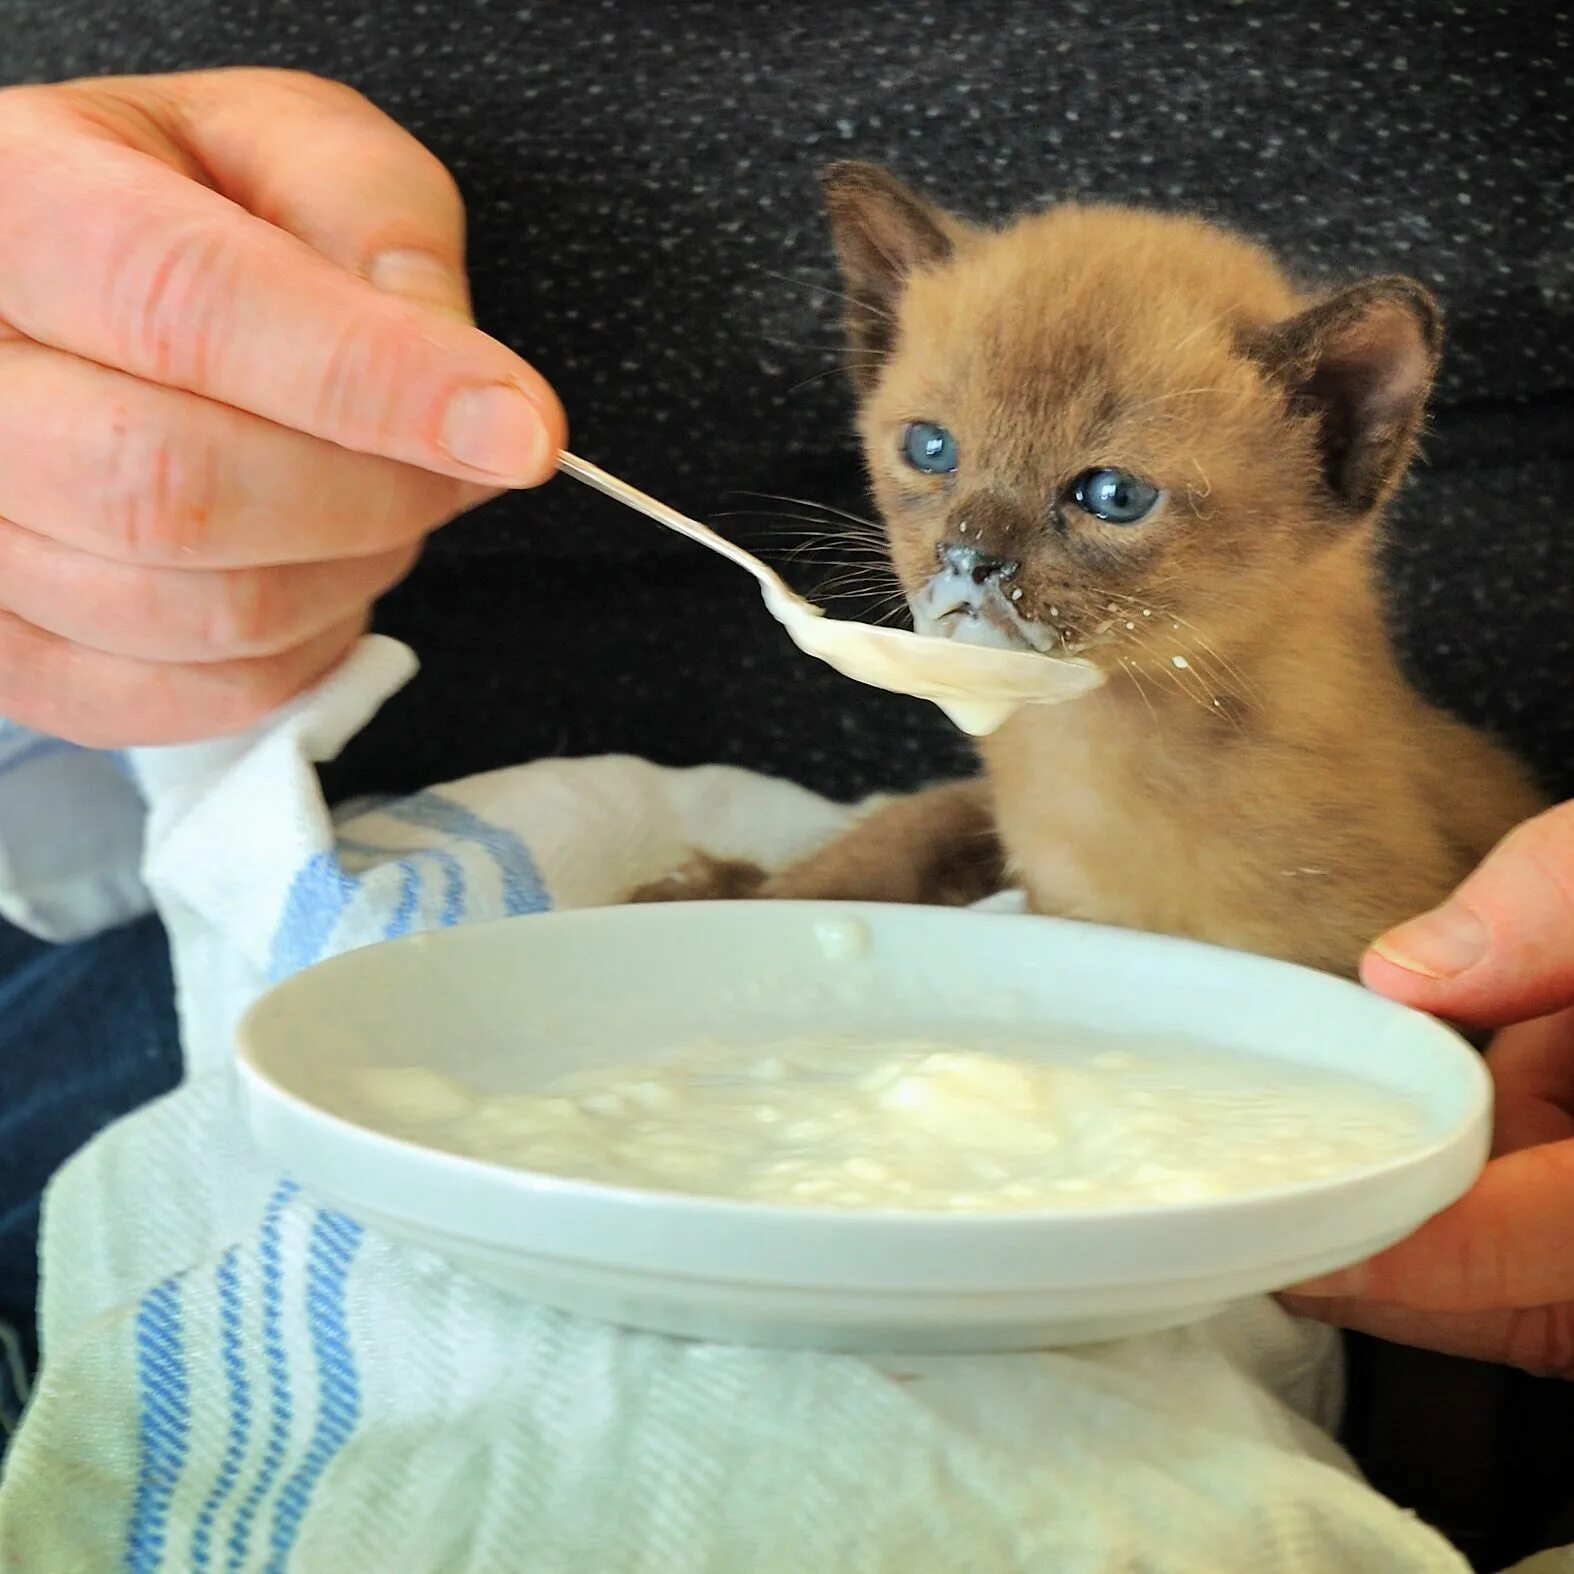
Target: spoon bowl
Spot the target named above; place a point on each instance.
(977, 686)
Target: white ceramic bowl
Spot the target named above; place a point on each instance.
(506, 1005)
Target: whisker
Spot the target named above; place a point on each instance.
(825, 289)
(856, 581)
(1211, 654)
(806, 502)
(838, 529)
(839, 347)
(1200, 650)
(1130, 669)
(815, 377)
(828, 529)
(1178, 393)
(1195, 684)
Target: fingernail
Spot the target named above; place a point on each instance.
(419, 276)
(1439, 944)
(496, 429)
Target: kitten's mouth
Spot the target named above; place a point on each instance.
(950, 606)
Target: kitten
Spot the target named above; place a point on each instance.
(1129, 435)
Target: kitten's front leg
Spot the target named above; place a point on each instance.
(938, 848)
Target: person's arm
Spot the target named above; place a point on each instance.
(1493, 1276)
(238, 387)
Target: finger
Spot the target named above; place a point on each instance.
(129, 470)
(1537, 1339)
(358, 188)
(107, 702)
(1501, 949)
(1532, 1066)
(112, 255)
(184, 615)
(1504, 1244)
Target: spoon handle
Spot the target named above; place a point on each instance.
(632, 497)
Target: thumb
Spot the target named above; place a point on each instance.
(1501, 949)
(317, 159)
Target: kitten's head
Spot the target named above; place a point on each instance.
(1099, 424)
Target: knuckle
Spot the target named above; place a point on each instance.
(157, 488)
(366, 369)
(168, 290)
(247, 615)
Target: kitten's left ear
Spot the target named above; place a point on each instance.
(1362, 361)
(884, 232)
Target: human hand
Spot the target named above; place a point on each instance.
(238, 387)
(1491, 1277)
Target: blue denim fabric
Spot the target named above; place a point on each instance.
(87, 1033)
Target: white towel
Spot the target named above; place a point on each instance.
(237, 1378)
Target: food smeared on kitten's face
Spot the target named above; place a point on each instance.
(1108, 430)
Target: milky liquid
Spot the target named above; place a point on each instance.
(835, 1123)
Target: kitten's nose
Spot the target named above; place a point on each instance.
(980, 567)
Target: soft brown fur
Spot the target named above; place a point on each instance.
(1286, 790)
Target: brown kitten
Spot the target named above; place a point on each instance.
(1129, 435)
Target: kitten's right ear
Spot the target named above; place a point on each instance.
(883, 233)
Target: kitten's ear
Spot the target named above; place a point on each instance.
(1361, 361)
(883, 233)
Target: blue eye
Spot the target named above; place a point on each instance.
(929, 448)
(1115, 496)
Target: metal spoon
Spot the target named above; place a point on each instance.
(977, 686)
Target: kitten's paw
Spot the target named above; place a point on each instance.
(815, 883)
(705, 879)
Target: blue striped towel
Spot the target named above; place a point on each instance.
(238, 1378)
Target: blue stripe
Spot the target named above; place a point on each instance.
(334, 1241)
(523, 889)
(280, 1412)
(240, 1411)
(403, 919)
(163, 1424)
(322, 890)
(315, 903)
(453, 886)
